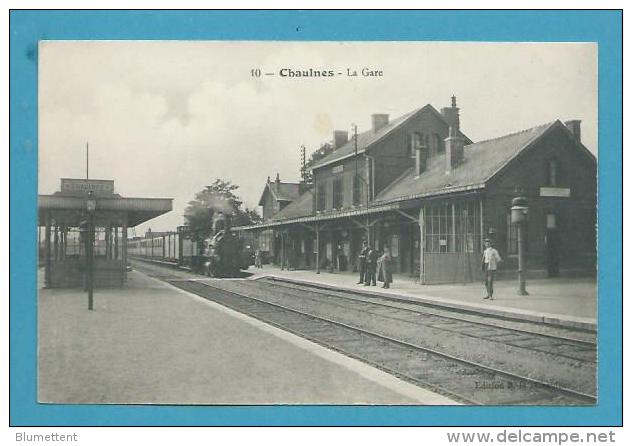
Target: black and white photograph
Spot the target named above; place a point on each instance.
(317, 223)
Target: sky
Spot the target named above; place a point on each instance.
(166, 118)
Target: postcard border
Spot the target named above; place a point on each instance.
(28, 27)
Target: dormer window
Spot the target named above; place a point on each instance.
(439, 143)
(415, 140)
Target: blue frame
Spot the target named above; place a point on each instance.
(28, 27)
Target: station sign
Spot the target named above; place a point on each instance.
(562, 192)
(76, 185)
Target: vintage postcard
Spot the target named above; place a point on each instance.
(375, 223)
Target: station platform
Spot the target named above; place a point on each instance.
(568, 302)
(150, 343)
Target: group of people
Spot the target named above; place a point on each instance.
(375, 267)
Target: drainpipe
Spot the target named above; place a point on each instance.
(370, 163)
(372, 179)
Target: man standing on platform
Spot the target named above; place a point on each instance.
(490, 262)
(362, 261)
(371, 265)
(386, 268)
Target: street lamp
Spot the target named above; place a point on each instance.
(519, 211)
(91, 206)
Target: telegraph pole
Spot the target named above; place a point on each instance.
(87, 161)
(358, 179)
(303, 167)
(355, 147)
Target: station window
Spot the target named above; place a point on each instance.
(553, 173)
(394, 245)
(452, 227)
(338, 193)
(439, 143)
(439, 228)
(415, 140)
(411, 145)
(321, 198)
(357, 190)
(265, 240)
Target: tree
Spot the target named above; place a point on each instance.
(220, 196)
(324, 150)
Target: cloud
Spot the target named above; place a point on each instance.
(166, 118)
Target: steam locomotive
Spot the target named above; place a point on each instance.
(224, 254)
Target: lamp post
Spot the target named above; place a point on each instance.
(91, 206)
(519, 211)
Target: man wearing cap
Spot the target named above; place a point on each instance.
(362, 261)
(371, 266)
(490, 262)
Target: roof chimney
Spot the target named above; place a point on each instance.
(278, 179)
(378, 121)
(451, 114)
(341, 137)
(454, 145)
(575, 126)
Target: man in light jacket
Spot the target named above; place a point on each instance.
(490, 262)
(386, 268)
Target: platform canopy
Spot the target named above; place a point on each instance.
(68, 205)
(90, 205)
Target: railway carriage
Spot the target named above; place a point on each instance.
(222, 255)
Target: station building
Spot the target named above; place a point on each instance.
(275, 197)
(62, 217)
(418, 185)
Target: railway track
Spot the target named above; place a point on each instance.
(564, 343)
(375, 319)
(462, 380)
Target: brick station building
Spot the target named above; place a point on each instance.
(62, 247)
(418, 185)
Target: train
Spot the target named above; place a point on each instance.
(224, 254)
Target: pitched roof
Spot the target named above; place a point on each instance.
(481, 161)
(300, 207)
(281, 191)
(369, 137)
